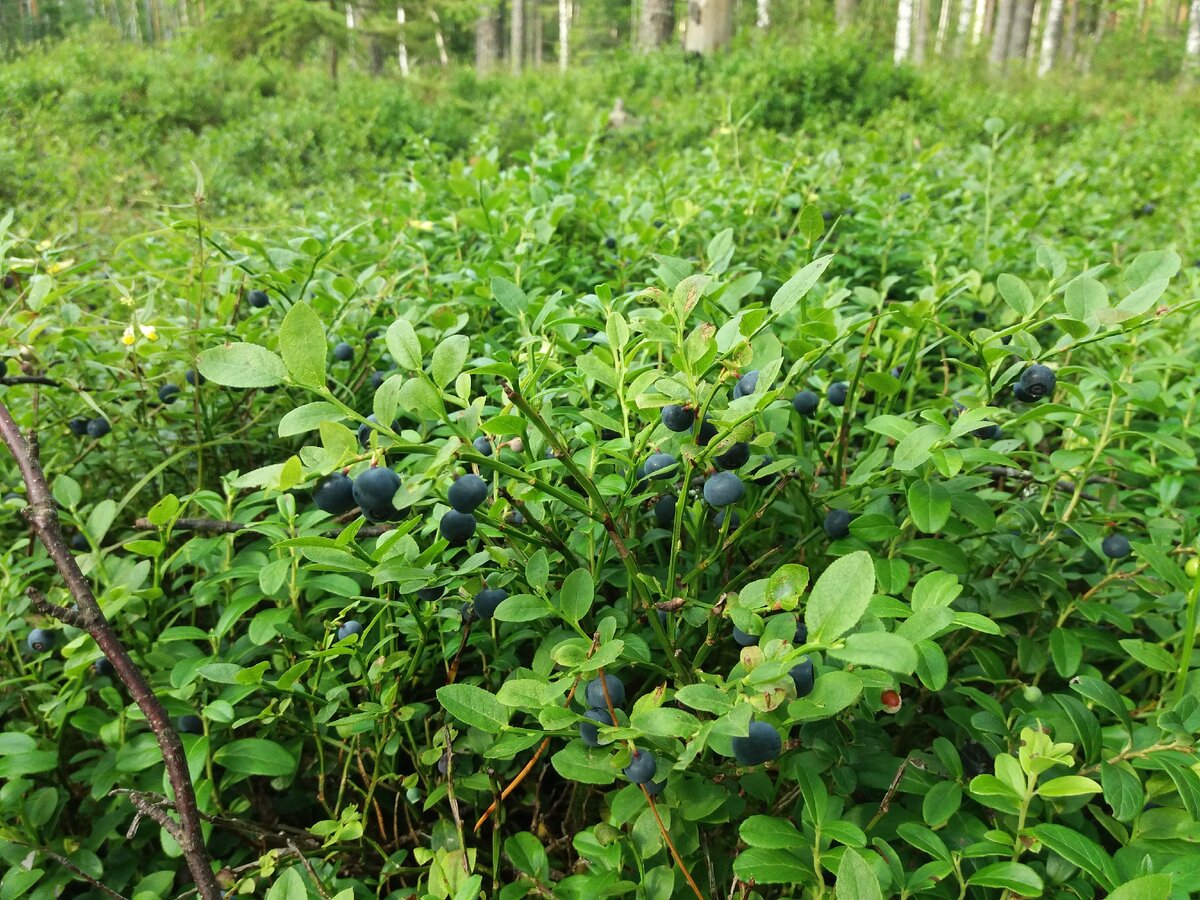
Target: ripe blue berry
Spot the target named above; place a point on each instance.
(40, 640)
(708, 431)
(482, 446)
(664, 511)
(804, 677)
(467, 492)
(102, 667)
(1037, 381)
(373, 492)
(487, 600)
(678, 418)
(189, 725)
(594, 693)
(837, 393)
(334, 494)
(343, 352)
(837, 524)
(168, 393)
(805, 403)
(761, 745)
(258, 299)
(456, 527)
(660, 465)
(1116, 546)
(642, 767)
(735, 457)
(98, 428)
(588, 731)
(348, 628)
(78, 426)
(723, 488)
(744, 639)
(192, 377)
(745, 385)
(734, 522)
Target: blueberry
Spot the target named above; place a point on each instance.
(79, 541)
(429, 594)
(708, 431)
(1023, 395)
(168, 393)
(805, 403)
(78, 426)
(610, 242)
(743, 639)
(343, 352)
(189, 725)
(1037, 381)
(40, 640)
(761, 745)
(1116, 546)
(192, 377)
(801, 637)
(763, 480)
(98, 428)
(365, 431)
(837, 393)
(258, 299)
(588, 731)
(664, 511)
(719, 519)
(334, 494)
(594, 693)
(467, 492)
(905, 196)
(103, 667)
(487, 600)
(456, 527)
(678, 418)
(659, 223)
(655, 788)
(607, 434)
(837, 524)
(803, 676)
(377, 380)
(642, 767)
(514, 517)
(745, 385)
(375, 488)
(723, 489)
(482, 446)
(348, 628)
(660, 465)
(735, 457)
(988, 433)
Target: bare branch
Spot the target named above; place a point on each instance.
(65, 614)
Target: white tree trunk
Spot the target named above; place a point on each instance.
(939, 44)
(1192, 58)
(709, 25)
(401, 46)
(1004, 17)
(904, 17)
(657, 24)
(762, 18)
(564, 34)
(966, 10)
(439, 38)
(843, 11)
(349, 16)
(980, 21)
(516, 44)
(920, 30)
(1050, 36)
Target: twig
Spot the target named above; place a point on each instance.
(42, 515)
(450, 795)
(70, 867)
(304, 861)
(13, 380)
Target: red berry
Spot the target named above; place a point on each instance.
(890, 700)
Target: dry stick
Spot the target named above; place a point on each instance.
(42, 515)
(458, 822)
(515, 783)
(71, 867)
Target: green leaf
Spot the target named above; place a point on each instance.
(916, 446)
(527, 854)
(578, 592)
(840, 597)
(302, 344)
(665, 722)
(880, 649)
(308, 417)
(1078, 850)
(762, 866)
(1015, 293)
(811, 223)
(706, 697)
(1149, 655)
(1122, 790)
(474, 706)
(770, 833)
(929, 505)
(289, 885)
(1068, 786)
(255, 756)
(510, 297)
(855, 878)
(448, 359)
(942, 801)
(1084, 298)
(1015, 877)
(405, 346)
(242, 366)
(576, 762)
(1148, 887)
(832, 692)
(793, 290)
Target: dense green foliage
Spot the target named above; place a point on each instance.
(990, 694)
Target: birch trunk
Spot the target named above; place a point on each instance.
(536, 34)
(904, 17)
(981, 15)
(1004, 17)
(1191, 58)
(762, 17)
(920, 30)
(564, 34)
(1067, 50)
(438, 37)
(1050, 37)
(966, 10)
(516, 43)
(656, 25)
(843, 11)
(401, 43)
(709, 26)
(939, 44)
(487, 37)
(1018, 35)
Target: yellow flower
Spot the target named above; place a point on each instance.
(149, 332)
(420, 224)
(128, 338)
(57, 267)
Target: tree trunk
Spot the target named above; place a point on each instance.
(843, 11)
(920, 30)
(1191, 59)
(709, 26)
(1018, 35)
(966, 11)
(564, 34)
(1004, 18)
(438, 37)
(401, 43)
(487, 37)
(516, 42)
(981, 16)
(535, 33)
(939, 44)
(657, 24)
(904, 19)
(1067, 49)
(762, 15)
(1050, 37)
